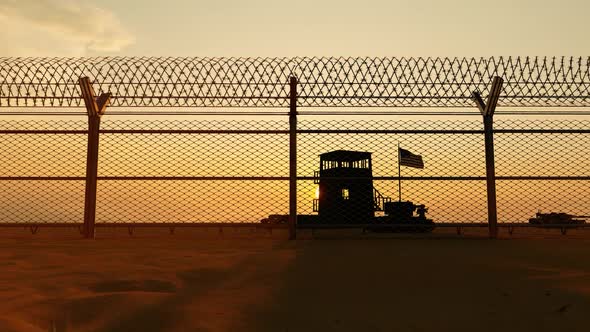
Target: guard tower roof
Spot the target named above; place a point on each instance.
(345, 155)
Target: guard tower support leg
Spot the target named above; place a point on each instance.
(293, 158)
(95, 108)
(487, 111)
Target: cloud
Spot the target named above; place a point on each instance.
(59, 27)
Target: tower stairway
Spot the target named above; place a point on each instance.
(379, 200)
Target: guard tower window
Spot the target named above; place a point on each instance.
(328, 164)
(359, 164)
(345, 194)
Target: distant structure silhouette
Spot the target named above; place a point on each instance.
(346, 187)
(347, 196)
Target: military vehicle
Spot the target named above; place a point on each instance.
(403, 217)
(557, 218)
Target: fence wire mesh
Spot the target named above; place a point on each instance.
(541, 166)
(238, 171)
(189, 171)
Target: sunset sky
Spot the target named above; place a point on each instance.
(267, 28)
(293, 28)
(210, 153)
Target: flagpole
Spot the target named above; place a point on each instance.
(399, 174)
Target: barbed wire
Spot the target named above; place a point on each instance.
(323, 81)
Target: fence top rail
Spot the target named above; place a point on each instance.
(323, 81)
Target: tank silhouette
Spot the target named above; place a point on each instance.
(347, 196)
(557, 218)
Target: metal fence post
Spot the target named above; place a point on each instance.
(487, 111)
(293, 158)
(95, 108)
(488, 121)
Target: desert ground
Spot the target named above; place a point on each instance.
(245, 280)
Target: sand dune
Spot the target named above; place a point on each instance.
(199, 280)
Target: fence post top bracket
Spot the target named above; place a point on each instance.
(479, 102)
(95, 107)
(488, 109)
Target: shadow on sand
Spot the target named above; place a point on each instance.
(432, 285)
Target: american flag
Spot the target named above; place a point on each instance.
(409, 159)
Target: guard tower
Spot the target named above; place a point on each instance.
(346, 192)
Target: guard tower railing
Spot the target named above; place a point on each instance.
(379, 200)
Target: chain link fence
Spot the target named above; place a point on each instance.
(238, 171)
(300, 168)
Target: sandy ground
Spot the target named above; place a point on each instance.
(197, 280)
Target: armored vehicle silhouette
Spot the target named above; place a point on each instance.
(557, 218)
(403, 217)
